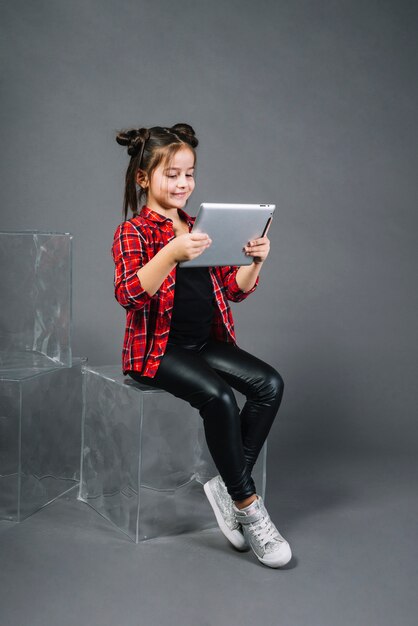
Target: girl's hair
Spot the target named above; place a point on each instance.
(148, 147)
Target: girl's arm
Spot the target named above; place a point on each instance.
(138, 272)
(246, 276)
(135, 287)
(240, 281)
(233, 291)
(156, 270)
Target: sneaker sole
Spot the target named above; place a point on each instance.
(234, 536)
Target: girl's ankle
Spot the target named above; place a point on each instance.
(241, 504)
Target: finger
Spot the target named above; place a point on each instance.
(200, 244)
(199, 236)
(262, 241)
(256, 249)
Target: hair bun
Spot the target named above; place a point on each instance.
(185, 132)
(134, 139)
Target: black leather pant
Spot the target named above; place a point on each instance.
(203, 376)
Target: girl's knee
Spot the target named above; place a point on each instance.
(277, 381)
(274, 382)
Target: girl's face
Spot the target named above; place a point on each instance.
(172, 184)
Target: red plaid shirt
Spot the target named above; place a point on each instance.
(148, 318)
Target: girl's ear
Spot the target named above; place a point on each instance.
(142, 179)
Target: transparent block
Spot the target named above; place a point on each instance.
(40, 437)
(35, 315)
(144, 457)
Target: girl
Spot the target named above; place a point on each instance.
(180, 331)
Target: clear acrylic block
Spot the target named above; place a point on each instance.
(144, 457)
(40, 436)
(35, 314)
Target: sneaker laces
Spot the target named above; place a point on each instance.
(265, 532)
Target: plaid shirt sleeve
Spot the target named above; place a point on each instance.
(129, 253)
(232, 290)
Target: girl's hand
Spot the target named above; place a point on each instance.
(188, 246)
(258, 249)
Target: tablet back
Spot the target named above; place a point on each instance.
(230, 226)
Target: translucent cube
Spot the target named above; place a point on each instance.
(40, 436)
(145, 458)
(35, 285)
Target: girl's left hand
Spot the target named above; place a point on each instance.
(258, 249)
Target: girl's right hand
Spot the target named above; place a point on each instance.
(188, 246)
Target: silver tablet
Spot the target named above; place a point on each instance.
(230, 226)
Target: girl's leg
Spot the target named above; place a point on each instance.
(259, 382)
(186, 375)
(263, 387)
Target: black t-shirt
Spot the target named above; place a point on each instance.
(194, 302)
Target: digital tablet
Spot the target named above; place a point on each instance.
(230, 226)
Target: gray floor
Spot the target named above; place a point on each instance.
(351, 521)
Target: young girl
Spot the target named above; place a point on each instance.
(180, 331)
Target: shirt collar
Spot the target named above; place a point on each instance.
(157, 217)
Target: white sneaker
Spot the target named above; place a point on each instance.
(222, 505)
(265, 540)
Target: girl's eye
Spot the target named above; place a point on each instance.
(174, 175)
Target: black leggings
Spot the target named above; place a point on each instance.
(203, 376)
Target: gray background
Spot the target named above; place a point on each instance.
(310, 105)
